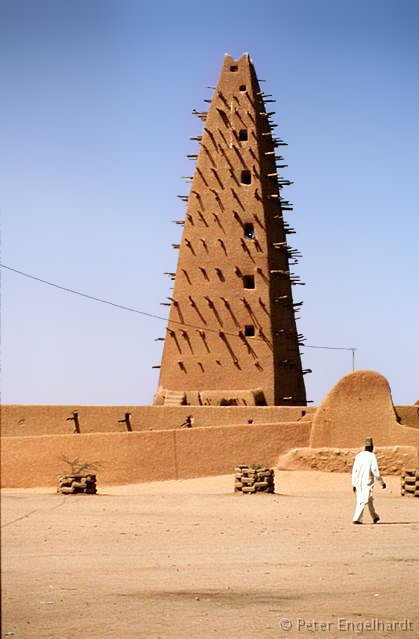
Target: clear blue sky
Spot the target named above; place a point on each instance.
(96, 117)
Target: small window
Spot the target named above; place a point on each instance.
(243, 135)
(242, 87)
(249, 281)
(246, 177)
(234, 68)
(249, 231)
(249, 330)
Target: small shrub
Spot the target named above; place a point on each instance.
(78, 467)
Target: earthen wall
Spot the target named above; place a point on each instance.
(20, 420)
(162, 447)
(148, 456)
(360, 406)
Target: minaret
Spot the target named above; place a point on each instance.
(231, 335)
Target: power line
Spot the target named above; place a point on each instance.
(69, 290)
(165, 319)
(125, 308)
(337, 348)
(333, 348)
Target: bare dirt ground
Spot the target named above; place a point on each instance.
(190, 558)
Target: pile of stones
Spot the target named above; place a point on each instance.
(253, 479)
(73, 484)
(410, 482)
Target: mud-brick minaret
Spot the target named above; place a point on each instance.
(232, 336)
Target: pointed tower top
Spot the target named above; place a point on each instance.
(244, 58)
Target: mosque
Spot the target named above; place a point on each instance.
(231, 385)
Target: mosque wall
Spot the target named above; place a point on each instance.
(148, 456)
(164, 445)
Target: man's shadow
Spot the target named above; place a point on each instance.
(392, 523)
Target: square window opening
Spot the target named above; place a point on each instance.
(249, 231)
(234, 68)
(249, 281)
(249, 330)
(243, 137)
(246, 177)
(242, 87)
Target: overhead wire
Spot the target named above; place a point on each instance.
(153, 316)
(121, 306)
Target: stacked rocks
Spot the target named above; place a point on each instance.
(410, 482)
(72, 484)
(253, 479)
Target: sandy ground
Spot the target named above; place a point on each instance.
(190, 558)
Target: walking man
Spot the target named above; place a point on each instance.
(364, 470)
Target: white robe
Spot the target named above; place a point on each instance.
(364, 470)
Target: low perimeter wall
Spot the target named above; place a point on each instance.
(392, 460)
(149, 456)
(25, 420)
(21, 420)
